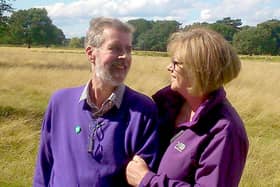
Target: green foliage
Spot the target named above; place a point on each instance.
(226, 30)
(234, 23)
(274, 27)
(264, 39)
(4, 7)
(32, 26)
(140, 26)
(255, 41)
(76, 42)
(152, 35)
(227, 27)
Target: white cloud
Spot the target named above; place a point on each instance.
(77, 14)
(205, 14)
(250, 12)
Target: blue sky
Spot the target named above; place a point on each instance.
(73, 16)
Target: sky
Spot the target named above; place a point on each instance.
(73, 16)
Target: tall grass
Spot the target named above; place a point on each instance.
(29, 76)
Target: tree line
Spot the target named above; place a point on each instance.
(33, 27)
(261, 39)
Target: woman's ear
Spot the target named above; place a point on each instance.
(90, 54)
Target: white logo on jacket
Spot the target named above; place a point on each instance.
(180, 146)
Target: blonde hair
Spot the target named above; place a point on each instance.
(94, 36)
(209, 61)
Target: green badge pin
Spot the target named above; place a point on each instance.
(78, 129)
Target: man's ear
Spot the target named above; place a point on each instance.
(90, 52)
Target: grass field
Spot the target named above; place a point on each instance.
(29, 76)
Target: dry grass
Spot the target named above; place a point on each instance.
(29, 76)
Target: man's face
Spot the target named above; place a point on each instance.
(113, 57)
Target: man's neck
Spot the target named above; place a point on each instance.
(99, 92)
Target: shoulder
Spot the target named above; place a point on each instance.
(67, 94)
(228, 122)
(136, 96)
(138, 100)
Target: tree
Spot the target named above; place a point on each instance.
(255, 41)
(140, 26)
(226, 31)
(76, 42)
(274, 26)
(156, 35)
(234, 23)
(227, 27)
(33, 26)
(196, 24)
(5, 7)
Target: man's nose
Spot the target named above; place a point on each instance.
(124, 54)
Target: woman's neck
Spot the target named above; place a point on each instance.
(189, 108)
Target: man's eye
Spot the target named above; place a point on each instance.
(115, 49)
(128, 49)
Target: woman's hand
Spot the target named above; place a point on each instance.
(136, 170)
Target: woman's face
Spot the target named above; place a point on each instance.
(178, 77)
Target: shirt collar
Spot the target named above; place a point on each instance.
(116, 97)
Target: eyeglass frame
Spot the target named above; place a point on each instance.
(175, 63)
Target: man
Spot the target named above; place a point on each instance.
(89, 133)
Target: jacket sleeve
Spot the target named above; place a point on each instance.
(221, 164)
(44, 158)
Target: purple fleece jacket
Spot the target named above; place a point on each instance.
(63, 157)
(210, 150)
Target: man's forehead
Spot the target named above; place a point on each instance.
(117, 36)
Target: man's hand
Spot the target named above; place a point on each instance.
(136, 170)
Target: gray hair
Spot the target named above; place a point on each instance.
(94, 36)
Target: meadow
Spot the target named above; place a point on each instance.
(29, 76)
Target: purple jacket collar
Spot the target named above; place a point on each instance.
(215, 98)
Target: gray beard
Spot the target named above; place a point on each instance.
(106, 77)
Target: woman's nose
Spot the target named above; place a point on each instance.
(169, 67)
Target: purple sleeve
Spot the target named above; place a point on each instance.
(142, 134)
(154, 180)
(223, 161)
(149, 142)
(44, 157)
(220, 164)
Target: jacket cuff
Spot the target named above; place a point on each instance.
(146, 179)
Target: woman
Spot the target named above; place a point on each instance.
(211, 145)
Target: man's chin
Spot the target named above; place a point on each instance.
(116, 82)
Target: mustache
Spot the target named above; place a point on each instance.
(117, 63)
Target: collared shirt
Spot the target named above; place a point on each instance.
(115, 99)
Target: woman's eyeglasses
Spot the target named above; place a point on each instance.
(175, 64)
